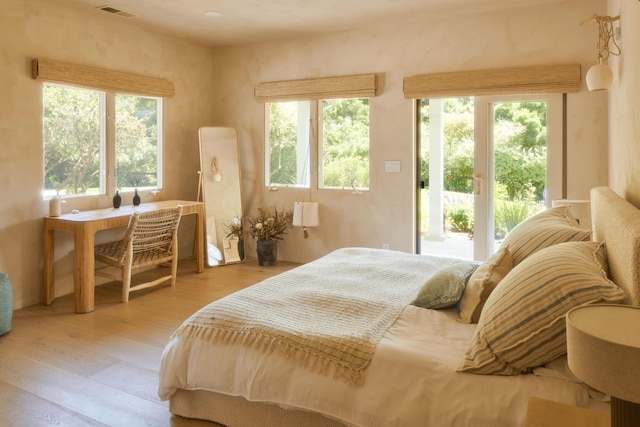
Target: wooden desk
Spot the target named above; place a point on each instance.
(84, 226)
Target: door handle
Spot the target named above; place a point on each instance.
(478, 184)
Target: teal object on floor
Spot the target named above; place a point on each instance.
(6, 304)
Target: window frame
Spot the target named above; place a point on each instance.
(159, 144)
(107, 134)
(314, 145)
(320, 149)
(310, 143)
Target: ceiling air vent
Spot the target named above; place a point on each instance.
(115, 11)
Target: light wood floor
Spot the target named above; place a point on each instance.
(58, 368)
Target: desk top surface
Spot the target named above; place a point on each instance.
(122, 211)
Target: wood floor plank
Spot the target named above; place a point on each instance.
(45, 344)
(20, 408)
(81, 395)
(131, 379)
(59, 368)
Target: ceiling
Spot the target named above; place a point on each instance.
(250, 21)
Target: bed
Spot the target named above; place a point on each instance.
(347, 340)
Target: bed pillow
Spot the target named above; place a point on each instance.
(522, 325)
(481, 283)
(444, 288)
(544, 229)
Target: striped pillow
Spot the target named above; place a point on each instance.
(522, 325)
(547, 228)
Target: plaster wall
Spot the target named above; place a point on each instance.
(624, 104)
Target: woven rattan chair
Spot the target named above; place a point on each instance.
(151, 239)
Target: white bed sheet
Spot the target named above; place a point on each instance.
(411, 380)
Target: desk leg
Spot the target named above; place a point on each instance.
(83, 275)
(48, 257)
(199, 241)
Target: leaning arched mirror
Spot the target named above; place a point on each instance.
(220, 182)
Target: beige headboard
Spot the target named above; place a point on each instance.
(617, 222)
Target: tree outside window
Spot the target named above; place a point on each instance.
(72, 139)
(345, 143)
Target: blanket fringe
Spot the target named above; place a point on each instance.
(267, 344)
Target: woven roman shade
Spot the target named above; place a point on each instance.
(499, 81)
(101, 79)
(355, 86)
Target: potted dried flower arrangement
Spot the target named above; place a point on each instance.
(267, 228)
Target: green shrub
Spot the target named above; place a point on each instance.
(460, 219)
(509, 213)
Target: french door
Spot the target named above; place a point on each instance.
(485, 164)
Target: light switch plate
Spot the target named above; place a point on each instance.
(392, 166)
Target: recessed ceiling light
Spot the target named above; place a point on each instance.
(212, 14)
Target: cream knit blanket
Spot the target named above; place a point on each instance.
(327, 315)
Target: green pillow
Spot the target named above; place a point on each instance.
(445, 288)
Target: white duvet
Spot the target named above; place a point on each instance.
(411, 380)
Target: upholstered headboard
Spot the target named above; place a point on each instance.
(617, 222)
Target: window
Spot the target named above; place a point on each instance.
(89, 132)
(344, 152)
(288, 144)
(73, 140)
(138, 145)
(341, 141)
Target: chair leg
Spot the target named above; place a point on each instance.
(174, 262)
(126, 280)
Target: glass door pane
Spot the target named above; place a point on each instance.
(518, 141)
(446, 205)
